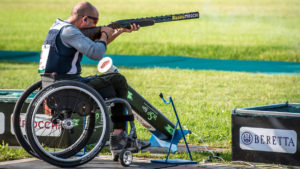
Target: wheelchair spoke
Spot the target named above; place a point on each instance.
(61, 138)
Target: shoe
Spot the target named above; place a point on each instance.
(118, 142)
(131, 145)
(144, 144)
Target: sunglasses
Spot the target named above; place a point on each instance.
(95, 19)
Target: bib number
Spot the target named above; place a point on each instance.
(43, 58)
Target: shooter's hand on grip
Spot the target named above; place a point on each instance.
(106, 33)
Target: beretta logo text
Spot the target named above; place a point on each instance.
(271, 140)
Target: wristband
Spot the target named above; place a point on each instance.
(105, 34)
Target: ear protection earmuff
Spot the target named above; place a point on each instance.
(85, 20)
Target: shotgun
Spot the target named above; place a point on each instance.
(95, 32)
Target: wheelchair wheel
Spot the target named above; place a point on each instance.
(18, 120)
(18, 117)
(65, 118)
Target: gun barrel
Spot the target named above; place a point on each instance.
(148, 21)
(175, 17)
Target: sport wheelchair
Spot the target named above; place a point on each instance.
(67, 123)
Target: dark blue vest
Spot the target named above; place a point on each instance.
(55, 56)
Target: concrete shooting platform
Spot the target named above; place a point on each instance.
(105, 162)
(101, 162)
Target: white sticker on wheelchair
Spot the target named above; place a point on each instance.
(143, 122)
(2, 123)
(42, 125)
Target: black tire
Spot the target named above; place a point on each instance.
(58, 159)
(126, 158)
(17, 115)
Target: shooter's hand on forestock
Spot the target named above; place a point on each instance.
(133, 27)
(119, 31)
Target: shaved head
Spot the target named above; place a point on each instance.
(84, 9)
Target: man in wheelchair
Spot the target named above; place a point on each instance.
(61, 55)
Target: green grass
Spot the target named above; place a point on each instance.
(232, 29)
(204, 99)
(7, 153)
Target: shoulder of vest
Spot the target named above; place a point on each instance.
(59, 24)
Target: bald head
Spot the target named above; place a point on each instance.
(84, 15)
(84, 9)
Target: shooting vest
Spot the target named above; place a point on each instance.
(55, 56)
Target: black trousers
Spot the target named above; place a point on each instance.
(111, 85)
